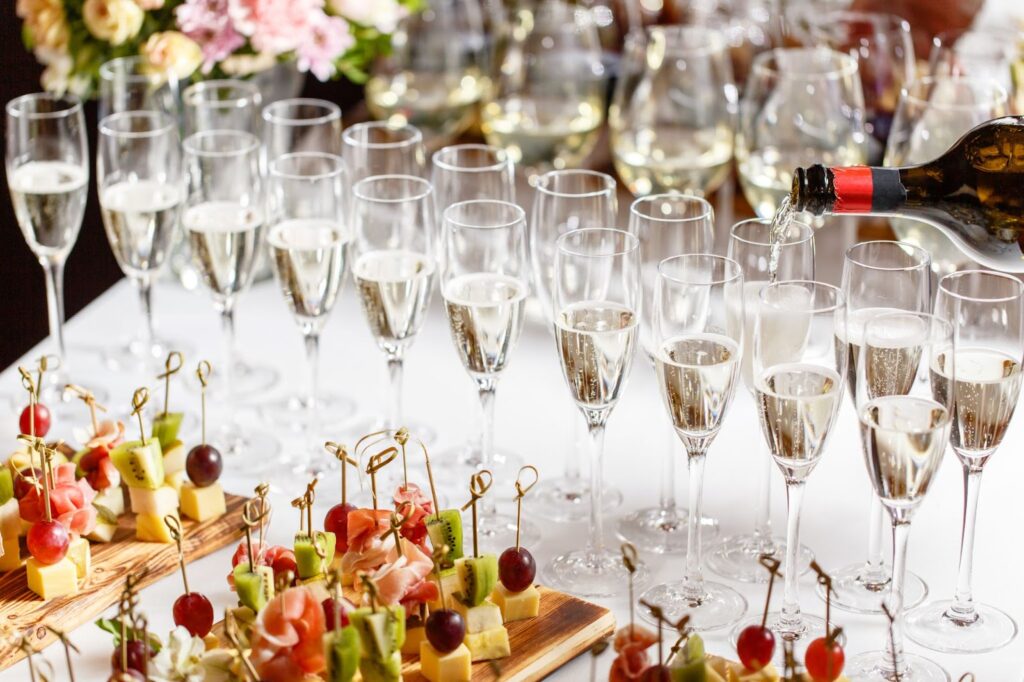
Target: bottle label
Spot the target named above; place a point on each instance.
(862, 189)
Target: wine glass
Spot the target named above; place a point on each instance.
(798, 371)
(737, 556)
(904, 424)
(698, 311)
(308, 242)
(597, 298)
(380, 148)
(566, 200)
(131, 84)
(224, 220)
(800, 106)
(878, 276)
(671, 119)
(667, 225)
(484, 281)
(983, 55)
(435, 74)
(141, 189)
(225, 104)
(547, 102)
(301, 125)
(986, 310)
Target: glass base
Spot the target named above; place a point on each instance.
(718, 607)
(593, 574)
(497, 532)
(852, 592)
(138, 356)
(567, 499)
(801, 632)
(932, 627)
(355, 429)
(876, 666)
(251, 382)
(467, 458)
(663, 530)
(246, 451)
(736, 557)
(66, 410)
(293, 412)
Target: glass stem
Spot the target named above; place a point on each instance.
(487, 392)
(763, 511)
(668, 480)
(311, 339)
(791, 595)
(873, 573)
(53, 269)
(146, 300)
(596, 430)
(573, 457)
(900, 536)
(693, 581)
(963, 610)
(394, 415)
(227, 319)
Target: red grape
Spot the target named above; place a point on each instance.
(329, 605)
(26, 479)
(129, 676)
(516, 569)
(42, 420)
(657, 673)
(138, 653)
(824, 659)
(194, 612)
(204, 465)
(755, 646)
(284, 563)
(445, 630)
(336, 522)
(48, 541)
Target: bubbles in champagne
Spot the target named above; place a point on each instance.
(595, 345)
(697, 375)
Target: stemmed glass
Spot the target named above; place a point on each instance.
(698, 311)
(224, 220)
(484, 280)
(566, 200)
(904, 427)
(597, 298)
(667, 225)
(131, 84)
(301, 125)
(141, 189)
(222, 105)
(878, 276)
(986, 310)
(981, 55)
(309, 254)
(380, 148)
(736, 557)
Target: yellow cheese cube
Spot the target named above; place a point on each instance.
(517, 605)
(103, 532)
(413, 638)
(11, 560)
(159, 502)
(149, 528)
(493, 643)
(201, 504)
(176, 480)
(452, 583)
(454, 666)
(174, 458)
(80, 556)
(111, 499)
(10, 519)
(480, 618)
(54, 580)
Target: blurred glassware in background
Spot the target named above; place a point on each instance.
(222, 105)
(130, 84)
(380, 148)
(301, 125)
(671, 120)
(996, 55)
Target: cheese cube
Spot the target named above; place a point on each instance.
(485, 616)
(455, 666)
(111, 499)
(517, 605)
(11, 560)
(103, 532)
(489, 644)
(10, 519)
(159, 502)
(413, 638)
(201, 504)
(174, 458)
(176, 480)
(452, 583)
(53, 580)
(80, 556)
(149, 528)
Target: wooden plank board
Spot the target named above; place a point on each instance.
(24, 612)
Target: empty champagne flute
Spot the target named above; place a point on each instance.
(301, 125)
(597, 298)
(904, 415)
(667, 225)
(380, 148)
(986, 310)
(226, 104)
(698, 311)
(131, 84)
(141, 190)
(736, 557)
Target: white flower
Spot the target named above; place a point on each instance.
(179, 660)
(382, 15)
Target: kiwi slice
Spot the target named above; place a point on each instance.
(382, 670)
(341, 648)
(382, 631)
(165, 428)
(307, 561)
(254, 589)
(688, 663)
(445, 528)
(479, 575)
(141, 466)
(6, 485)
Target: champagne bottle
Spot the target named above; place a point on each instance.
(974, 193)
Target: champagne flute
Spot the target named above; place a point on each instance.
(878, 276)
(598, 298)
(141, 189)
(904, 427)
(225, 104)
(667, 225)
(566, 200)
(309, 253)
(986, 310)
(798, 371)
(131, 84)
(982, 55)
(224, 220)
(380, 148)
(736, 557)
(698, 311)
(484, 281)
(301, 125)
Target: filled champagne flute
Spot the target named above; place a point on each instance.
(737, 556)
(986, 310)
(381, 148)
(597, 298)
(698, 312)
(667, 225)
(301, 125)
(132, 84)
(226, 104)
(905, 411)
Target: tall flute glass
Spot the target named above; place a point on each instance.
(597, 298)
(485, 278)
(222, 105)
(567, 200)
(904, 414)
(131, 84)
(301, 125)
(141, 189)
(736, 557)
(878, 276)
(698, 311)
(224, 220)
(380, 148)
(667, 225)
(986, 310)
(309, 253)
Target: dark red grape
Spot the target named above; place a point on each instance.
(656, 673)
(138, 652)
(336, 522)
(329, 606)
(48, 541)
(194, 612)
(516, 569)
(755, 646)
(129, 676)
(824, 659)
(445, 630)
(26, 479)
(42, 420)
(204, 465)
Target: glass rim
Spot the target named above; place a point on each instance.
(713, 39)
(246, 89)
(338, 233)
(998, 94)
(503, 160)
(926, 263)
(73, 102)
(806, 230)
(737, 271)
(337, 171)
(708, 209)
(945, 279)
(359, 193)
(333, 111)
(609, 181)
(631, 242)
(844, 65)
(517, 211)
(415, 135)
(921, 315)
(168, 123)
(839, 305)
(107, 72)
(191, 143)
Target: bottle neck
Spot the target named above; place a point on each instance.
(861, 190)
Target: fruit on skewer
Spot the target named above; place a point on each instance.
(516, 595)
(97, 468)
(49, 571)
(314, 550)
(255, 586)
(825, 658)
(341, 641)
(756, 643)
(167, 424)
(192, 610)
(35, 418)
(381, 632)
(444, 657)
(202, 497)
(336, 520)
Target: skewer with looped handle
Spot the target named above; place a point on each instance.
(479, 484)
(175, 361)
(139, 400)
(87, 396)
(373, 467)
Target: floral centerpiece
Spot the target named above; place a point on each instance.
(207, 38)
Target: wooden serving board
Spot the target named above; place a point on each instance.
(24, 612)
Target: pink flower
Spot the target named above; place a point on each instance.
(208, 23)
(275, 26)
(328, 39)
